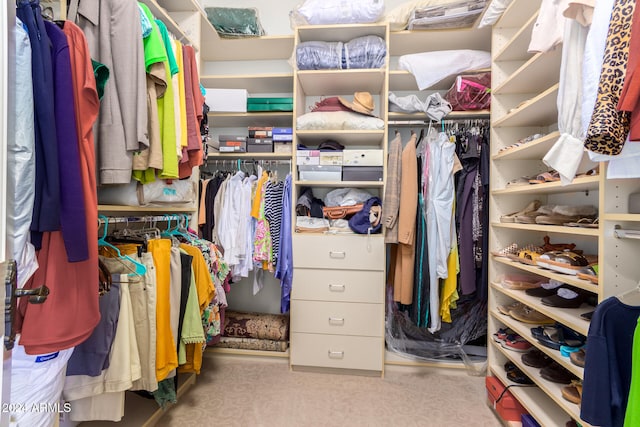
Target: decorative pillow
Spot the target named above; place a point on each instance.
(334, 120)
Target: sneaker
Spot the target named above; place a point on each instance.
(502, 334)
(506, 308)
(527, 314)
(516, 343)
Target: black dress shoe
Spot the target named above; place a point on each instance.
(557, 374)
(536, 359)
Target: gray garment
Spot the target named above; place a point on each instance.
(114, 36)
(21, 161)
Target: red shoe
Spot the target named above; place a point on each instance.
(516, 343)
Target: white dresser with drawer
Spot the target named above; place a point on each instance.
(337, 302)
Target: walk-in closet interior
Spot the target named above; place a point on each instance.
(349, 189)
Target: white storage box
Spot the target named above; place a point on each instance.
(362, 157)
(331, 157)
(320, 173)
(227, 100)
(308, 157)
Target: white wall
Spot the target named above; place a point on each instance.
(274, 14)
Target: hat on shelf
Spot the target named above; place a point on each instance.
(330, 145)
(362, 103)
(329, 104)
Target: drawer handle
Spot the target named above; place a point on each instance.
(336, 354)
(336, 288)
(337, 255)
(336, 321)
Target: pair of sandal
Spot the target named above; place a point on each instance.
(566, 262)
(515, 375)
(573, 392)
(557, 336)
(545, 177)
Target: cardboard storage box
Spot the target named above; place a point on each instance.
(331, 157)
(363, 158)
(227, 100)
(259, 145)
(507, 407)
(284, 147)
(308, 157)
(320, 173)
(362, 173)
(232, 147)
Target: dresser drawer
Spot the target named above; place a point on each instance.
(339, 318)
(350, 252)
(338, 285)
(337, 351)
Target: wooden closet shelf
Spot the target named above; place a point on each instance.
(516, 48)
(253, 83)
(538, 111)
(524, 330)
(517, 14)
(553, 390)
(535, 75)
(121, 209)
(248, 156)
(533, 150)
(587, 183)
(565, 278)
(539, 405)
(570, 317)
(560, 229)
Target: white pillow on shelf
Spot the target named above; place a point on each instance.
(338, 120)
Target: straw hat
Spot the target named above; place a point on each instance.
(362, 103)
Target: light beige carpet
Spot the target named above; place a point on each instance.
(241, 392)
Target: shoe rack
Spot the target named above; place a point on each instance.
(525, 89)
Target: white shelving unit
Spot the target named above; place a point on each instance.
(525, 89)
(337, 301)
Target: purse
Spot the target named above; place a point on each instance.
(470, 92)
(339, 212)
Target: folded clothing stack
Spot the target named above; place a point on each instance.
(360, 52)
(255, 331)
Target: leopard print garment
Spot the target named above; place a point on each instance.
(609, 127)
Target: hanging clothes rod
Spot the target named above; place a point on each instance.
(138, 219)
(445, 122)
(621, 233)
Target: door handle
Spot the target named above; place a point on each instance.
(336, 354)
(339, 321)
(336, 288)
(337, 255)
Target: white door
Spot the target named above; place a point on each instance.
(7, 74)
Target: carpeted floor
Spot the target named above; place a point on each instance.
(244, 392)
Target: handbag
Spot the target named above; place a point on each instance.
(470, 92)
(339, 212)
